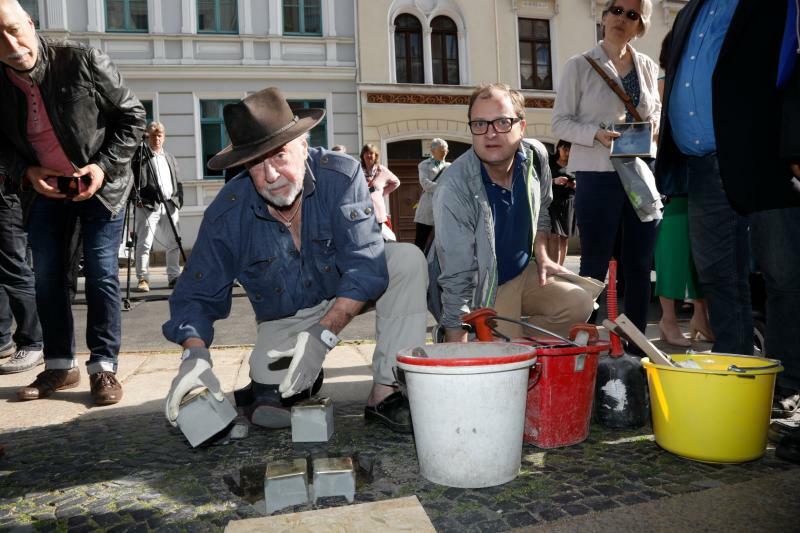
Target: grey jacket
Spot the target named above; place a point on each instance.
(428, 171)
(463, 258)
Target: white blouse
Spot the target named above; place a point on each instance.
(584, 100)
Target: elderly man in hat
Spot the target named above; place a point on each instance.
(299, 233)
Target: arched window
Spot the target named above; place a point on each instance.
(408, 49)
(444, 51)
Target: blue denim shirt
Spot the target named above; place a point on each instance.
(690, 102)
(341, 251)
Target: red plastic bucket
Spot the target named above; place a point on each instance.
(560, 394)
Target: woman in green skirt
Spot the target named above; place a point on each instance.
(676, 277)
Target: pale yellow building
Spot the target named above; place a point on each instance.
(418, 61)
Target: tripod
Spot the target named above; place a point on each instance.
(144, 154)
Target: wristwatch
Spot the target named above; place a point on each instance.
(327, 337)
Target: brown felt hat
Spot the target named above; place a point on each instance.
(260, 123)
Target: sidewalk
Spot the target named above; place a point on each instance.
(72, 466)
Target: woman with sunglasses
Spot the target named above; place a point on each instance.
(585, 104)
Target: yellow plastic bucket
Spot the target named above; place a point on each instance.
(718, 413)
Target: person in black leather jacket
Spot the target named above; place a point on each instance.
(160, 196)
(67, 113)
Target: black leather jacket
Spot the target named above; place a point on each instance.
(147, 180)
(94, 116)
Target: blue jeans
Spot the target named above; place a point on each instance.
(721, 251)
(49, 229)
(601, 207)
(776, 245)
(17, 294)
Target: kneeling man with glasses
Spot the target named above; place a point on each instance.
(491, 217)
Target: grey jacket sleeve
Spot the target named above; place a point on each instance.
(455, 250)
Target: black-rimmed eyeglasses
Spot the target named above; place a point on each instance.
(619, 11)
(500, 125)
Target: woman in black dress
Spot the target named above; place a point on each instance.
(562, 209)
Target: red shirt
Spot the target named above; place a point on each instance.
(39, 129)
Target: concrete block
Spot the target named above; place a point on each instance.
(286, 484)
(334, 476)
(312, 420)
(201, 417)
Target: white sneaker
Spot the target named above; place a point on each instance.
(7, 350)
(22, 360)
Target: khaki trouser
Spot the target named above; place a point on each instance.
(401, 316)
(555, 307)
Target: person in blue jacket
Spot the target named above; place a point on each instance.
(298, 231)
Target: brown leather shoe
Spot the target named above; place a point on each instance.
(106, 390)
(48, 382)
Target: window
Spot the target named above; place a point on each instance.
(126, 16)
(444, 51)
(319, 134)
(32, 8)
(302, 17)
(213, 135)
(408, 49)
(217, 16)
(534, 53)
(148, 110)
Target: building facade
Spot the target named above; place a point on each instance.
(185, 59)
(418, 61)
(395, 73)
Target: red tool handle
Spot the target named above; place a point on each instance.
(616, 343)
(477, 319)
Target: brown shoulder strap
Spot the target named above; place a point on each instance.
(616, 88)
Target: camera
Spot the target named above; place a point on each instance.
(69, 186)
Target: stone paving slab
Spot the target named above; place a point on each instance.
(389, 516)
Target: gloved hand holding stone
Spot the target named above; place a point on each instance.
(309, 352)
(194, 372)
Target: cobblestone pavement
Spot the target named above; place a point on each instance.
(135, 473)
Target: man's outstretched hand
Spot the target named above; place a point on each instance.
(194, 373)
(307, 356)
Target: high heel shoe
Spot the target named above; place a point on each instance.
(700, 333)
(679, 340)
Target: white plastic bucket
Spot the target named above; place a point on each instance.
(468, 410)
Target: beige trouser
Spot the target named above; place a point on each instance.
(555, 307)
(401, 316)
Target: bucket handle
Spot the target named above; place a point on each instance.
(492, 323)
(743, 369)
(536, 369)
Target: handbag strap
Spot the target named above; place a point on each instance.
(626, 99)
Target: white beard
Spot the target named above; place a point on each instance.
(282, 200)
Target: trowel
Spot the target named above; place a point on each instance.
(623, 327)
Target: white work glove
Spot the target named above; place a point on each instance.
(194, 372)
(309, 352)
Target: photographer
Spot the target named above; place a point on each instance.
(160, 196)
(71, 128)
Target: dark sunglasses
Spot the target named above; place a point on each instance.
(619, 11)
